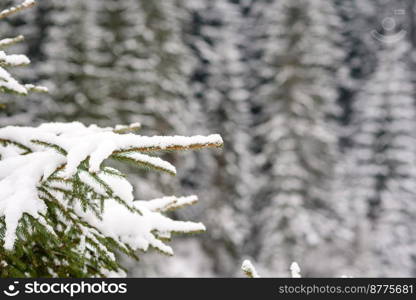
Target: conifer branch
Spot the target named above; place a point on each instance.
(170, 203)
(19, 145)
(11, 41)
(195, 146)
(146, 161)
(50, 145)
(127, 129)
(15, 9)
(13, 60)
(36, 88)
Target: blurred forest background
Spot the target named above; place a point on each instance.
(315, 100)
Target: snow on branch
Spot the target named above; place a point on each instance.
(15, 9)
(61, 204)
(64, 161)
(139, 231)
(97, 144)
(19, 178)
(249, 269)
(8, 84)
(146, 161)
(168, 203)
(128, 129)
(161, 143)
(295, 270)
(13, 60)
(11, 41)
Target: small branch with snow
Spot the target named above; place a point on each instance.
(61, 205)
(295, 270)
(168, 203)
(10, 85)
(175, 143)
(11, 41)
(36, 88)
(15, 9)
(249, 269)
(134, 127)
(56, 173)
(13, 60)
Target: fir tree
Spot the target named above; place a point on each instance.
(298, 49)
(122, 59)
(350, 250)
(216, 39)
(384, 155)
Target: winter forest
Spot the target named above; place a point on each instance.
(308, 108)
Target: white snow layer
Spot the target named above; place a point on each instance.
(139, 231)
(249, 269)
(28, 2)
(20, 176)
(295, 270)
(9, 83)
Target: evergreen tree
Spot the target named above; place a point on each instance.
(299, 53)
(216, 39)
(147, 66)
(124, 58)
(67, 64)
(359, 62)
(384, 154)
(351, 249)
(367, 24)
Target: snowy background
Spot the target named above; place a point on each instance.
(315, 101)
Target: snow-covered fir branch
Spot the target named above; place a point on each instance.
(11, 41)
(15, 9)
